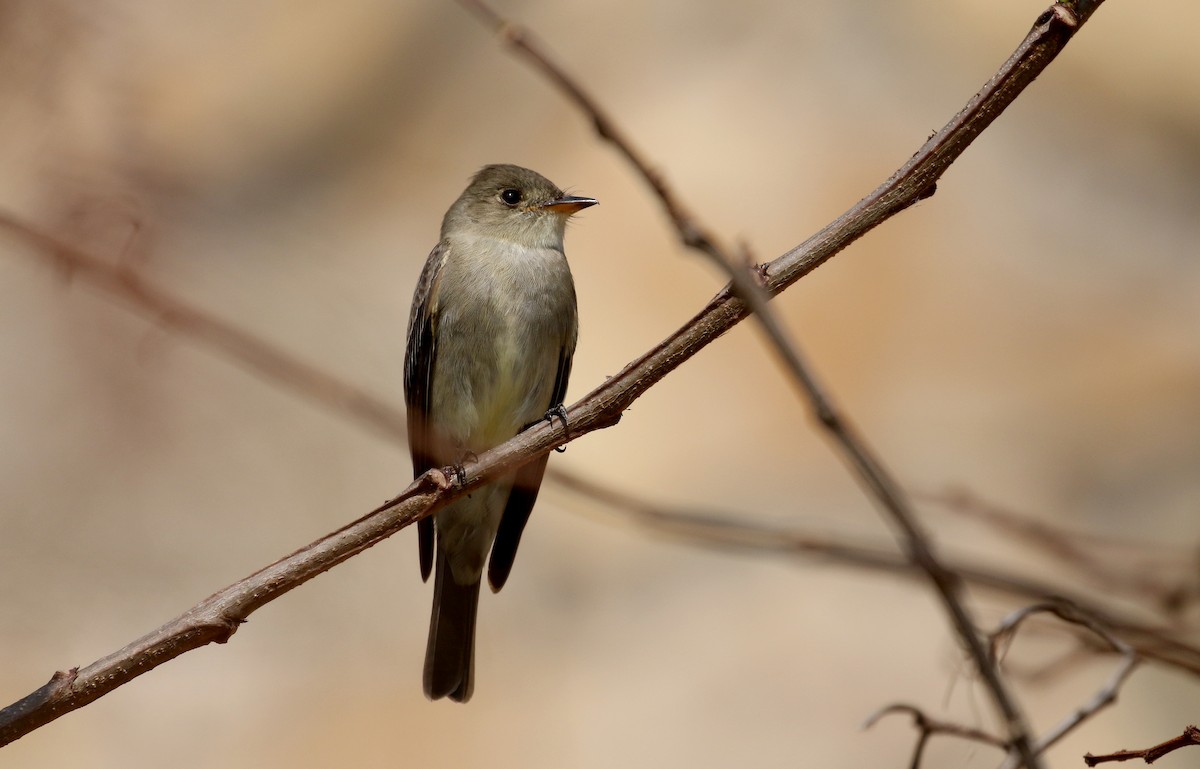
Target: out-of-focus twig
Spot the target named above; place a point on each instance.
(1189, 738)
(927, 727)
(1106, 695)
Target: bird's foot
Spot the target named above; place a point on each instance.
(458, 472)
(559, 411)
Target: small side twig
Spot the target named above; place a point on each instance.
(927, 727)
(1190, 737)
(1104, 697)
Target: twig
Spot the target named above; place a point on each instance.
(913, 182)
(1008, 628)
(1190, 737)
(927, 727)
(216, 618)
(1106, 695)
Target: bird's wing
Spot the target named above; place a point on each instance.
(525, 490)
(418, 377)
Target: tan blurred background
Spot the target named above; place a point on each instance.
(1030, 334)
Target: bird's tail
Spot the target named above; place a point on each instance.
(450, 654)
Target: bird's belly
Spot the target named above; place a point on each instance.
(495, 374)
(517, 391)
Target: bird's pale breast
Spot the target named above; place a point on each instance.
(500, 340)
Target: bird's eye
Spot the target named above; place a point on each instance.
(510, 197)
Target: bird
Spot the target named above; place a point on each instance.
(491, 337)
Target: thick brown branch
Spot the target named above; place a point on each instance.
(215, 618)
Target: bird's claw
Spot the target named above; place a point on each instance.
(559, 411)
(459, 472)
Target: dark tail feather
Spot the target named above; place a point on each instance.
(450, 655)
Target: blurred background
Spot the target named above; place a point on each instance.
(1029, 334)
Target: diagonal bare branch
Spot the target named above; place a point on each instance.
(217, 617)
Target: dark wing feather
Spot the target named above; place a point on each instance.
(418, 376)
(524, 492)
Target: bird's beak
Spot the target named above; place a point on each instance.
(568, 204)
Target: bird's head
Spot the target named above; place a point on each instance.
(512, 202)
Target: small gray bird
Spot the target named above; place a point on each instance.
(490, 340)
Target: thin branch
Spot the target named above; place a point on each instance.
(1190, 737)
(217, 617)
(1105, 696)
(915, 181)
(927, 727)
